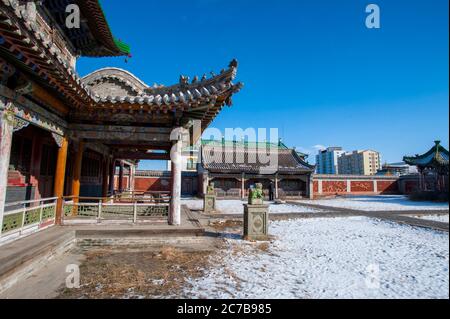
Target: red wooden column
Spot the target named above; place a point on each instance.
(59, 178)
(105, 177)
(6, 133)
(112, 174)
(121, 177)
(77, 176)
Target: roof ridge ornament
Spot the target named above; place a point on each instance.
(234, 63)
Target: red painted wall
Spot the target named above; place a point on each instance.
(388, 187)
(152, 184)
(362, 187)
(334, 187)
(315, 187)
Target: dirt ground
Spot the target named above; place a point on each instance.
(118, 273)
(134, 274)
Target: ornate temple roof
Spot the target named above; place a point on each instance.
(252, 160)
(436, 157)
(49, 61)
(201, 98)
(94, 37)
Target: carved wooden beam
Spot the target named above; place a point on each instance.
(142, 156)
(110, 133)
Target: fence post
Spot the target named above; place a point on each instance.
(99, 211)
(41, 212)
(23, 218)
(135, 212)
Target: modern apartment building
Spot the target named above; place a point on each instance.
(366, 162)
(327, 160)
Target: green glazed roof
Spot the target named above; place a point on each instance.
(437, 156)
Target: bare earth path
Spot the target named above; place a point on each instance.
(395, 216)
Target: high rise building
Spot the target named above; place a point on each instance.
(366, 162)
(327, 160)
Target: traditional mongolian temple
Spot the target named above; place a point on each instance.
(433, 168)
(235, 166)
(62, 135)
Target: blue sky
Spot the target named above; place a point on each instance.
(310, 67)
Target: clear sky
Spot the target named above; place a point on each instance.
(310, 67)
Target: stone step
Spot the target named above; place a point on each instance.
(22, 257)
(139, 232)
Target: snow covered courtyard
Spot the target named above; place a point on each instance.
(378, 203)
(353, 257)
(236, 207)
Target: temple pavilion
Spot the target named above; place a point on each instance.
(62, 135)
(234, 166)
(433, 163)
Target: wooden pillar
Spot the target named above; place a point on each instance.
(112, 175)
(60, 177)
(276, 186)
(175, 202)
(77, 176)
(6, 133)
(121, 177)
(243, 186)
(105, 177)
(131, 178)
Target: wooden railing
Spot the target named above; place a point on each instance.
(26, 217)
(118, 208)
(142, 196)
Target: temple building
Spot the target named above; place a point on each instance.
(433, 168)
(63, 135)
(235, 166)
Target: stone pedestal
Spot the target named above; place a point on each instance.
(209, 204)
(256, 222)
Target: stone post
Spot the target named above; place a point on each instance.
(256, 216)
(209, 200)
(175, 156)
(60, 177)
(311, 186)
(6, 133)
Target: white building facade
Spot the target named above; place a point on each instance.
(327, 160)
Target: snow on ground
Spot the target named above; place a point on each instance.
(378, 203)
(352, 257)
(236, 207)
(436, 218)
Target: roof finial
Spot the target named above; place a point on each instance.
(234, 63)
(437, 142)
